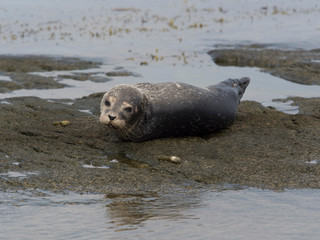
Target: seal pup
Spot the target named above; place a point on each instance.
(146, 111)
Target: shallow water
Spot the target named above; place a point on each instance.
(173, 37)
(263, 87)
(198, 214)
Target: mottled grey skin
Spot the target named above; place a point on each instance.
(146, 111)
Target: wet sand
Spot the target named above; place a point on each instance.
(56, 147)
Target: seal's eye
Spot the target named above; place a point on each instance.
(107, 103)
(128, 109)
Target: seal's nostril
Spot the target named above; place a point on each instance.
(112, 117)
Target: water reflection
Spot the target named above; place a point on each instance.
(131, 211)
(128, 210)
(90, 216)
(213, 213)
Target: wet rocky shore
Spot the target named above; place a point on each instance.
(297, 66)
(55, 146)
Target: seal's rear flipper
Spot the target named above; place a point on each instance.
(242, 84)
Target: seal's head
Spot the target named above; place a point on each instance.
(122, 108)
